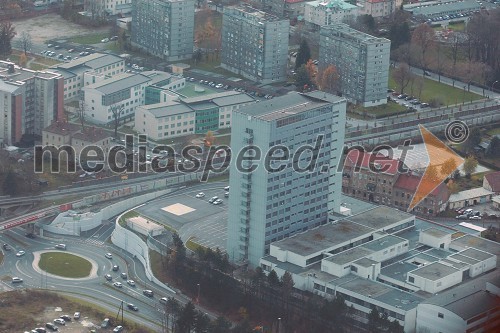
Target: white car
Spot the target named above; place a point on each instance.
(105, 40)
(226, 188)
(218, 202)
(109, 255)
(59, 321)
(131, 283)
(118, 284)
(76, 315)
(474, 217)
(219, 86)
(20, 254)
(163, 300)
(17, 280)
(200, 195)
(212, 199)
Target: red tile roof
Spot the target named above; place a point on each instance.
(385, 163)
(493, 179)
(409, 182)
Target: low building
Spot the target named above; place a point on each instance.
(378, 8)
(491, 182)
(92, 136)
(124, 90)
(194, 115)
(101, 9)
(97, 64)
(326, 12)
(433, 9)
(469, 198)
(496, 202)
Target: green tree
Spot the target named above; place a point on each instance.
(303, 55)
(302, 78)
(273, 279)
(374, 320)
(399, 34)
(187, 318)
(494, 147)
(10, 186)
(7, 33)
(220, 325)
(202, 322)
(473, 140)
(470, 165)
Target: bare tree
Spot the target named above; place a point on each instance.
(117, 110)
(26, 42)
(402, 75)
(424, 38)
(81, 111)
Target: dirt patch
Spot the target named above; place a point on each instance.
(50, 26)
(85, 324)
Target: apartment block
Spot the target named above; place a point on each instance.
(320, 13)
(254, 44)
(378, 8)
(29, 101)
(361, 60)
(164, 28)
(286, 8)
(95, 66)
(271, 205)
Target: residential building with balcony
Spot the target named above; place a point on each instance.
(362, 61)
(164, 28)
(254, 44)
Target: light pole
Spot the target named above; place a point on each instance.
(198, 298)
(463, 99)
(279, 325)
(491, 88)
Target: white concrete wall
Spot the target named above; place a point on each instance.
(434, 286)
(69, 225)
(428, 320)
(433, 241)
(483, 266)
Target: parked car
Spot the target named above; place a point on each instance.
(200, 195)
(212, 199)
(402, 96)
(65, 317)
(59, 321)
(463, 216)
(43, 330)
(50, 326)
(226, 194)
(148, 292)
(105, 323)
(118, 329)
(425, 105)
(468, 211)
(105, 40)
(17, 280)
(226, 188)
(474, 217)
(76, 316)
(218, 202)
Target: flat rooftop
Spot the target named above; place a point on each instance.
(476, 254)
(323, 237)
(384, 242)
(474, 304)
(285, 106)
(438, 233)
(350, 255)
(23, 74)
(380, 217)
(438, 253)
(434, 271)
(378, 291)
(166, 109)
(398, 270)
(118, 82)
(365, 262)
(462, 258)
(467, 241)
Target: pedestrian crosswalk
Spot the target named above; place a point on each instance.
(90, 241)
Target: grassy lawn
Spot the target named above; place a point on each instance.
(381, 110)
(476, 180)
(433, 90)
(65, 264)
(193, 246)
(37, 67)
(127, 215)
(1, 258)
(114, 47)
(493, 131)
(46, 61)
(89, 39)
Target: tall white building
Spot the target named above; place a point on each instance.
(362, 61)
(269, 206)
(104, 8)
(254, 44)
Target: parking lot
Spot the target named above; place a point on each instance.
(193, 217)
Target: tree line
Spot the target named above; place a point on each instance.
(253, 299)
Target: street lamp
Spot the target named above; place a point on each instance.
(463, 99)
(491, 88)
(279, 325)
(198, 298)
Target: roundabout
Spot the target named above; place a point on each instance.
(64, 265)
